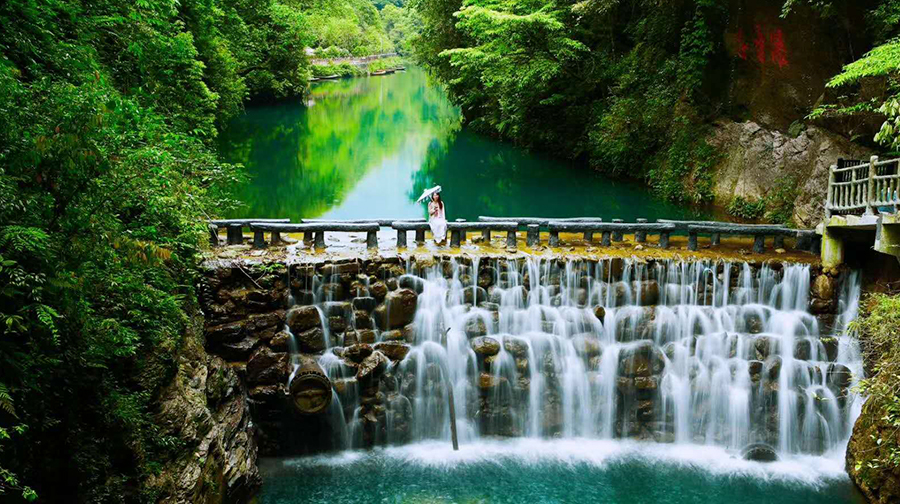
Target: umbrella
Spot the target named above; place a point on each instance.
(428, 192)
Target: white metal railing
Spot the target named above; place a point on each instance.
(863, 187)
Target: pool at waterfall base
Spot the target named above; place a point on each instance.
(554, 471)
(611, 380)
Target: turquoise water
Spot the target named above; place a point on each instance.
(367, 147)
(554, 471)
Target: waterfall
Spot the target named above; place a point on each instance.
(704, 352)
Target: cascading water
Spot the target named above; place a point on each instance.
(715, 353)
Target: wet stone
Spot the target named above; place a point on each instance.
(485, 346)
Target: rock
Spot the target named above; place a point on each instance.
(802, 349)
(474, 295)
(267, 366)
(600, 313)
(336, 309)
(238, 351)
(302, 318)
(392, 284)
(586, 344)
(358, 353)
(839, 376)
(823, 287)
(831, 345)
(363, 320)
(487, 381)
(773, 367)
(365, 303)
(755, 368)
(516, 346)
(780, 251)
(280, 342)
(475, 327)
(649, 292)
(411, 282)
(311, 341)
(378, 290)
(759, 452)
(399, 309)
(393, 350)
(366, 336)
(371, 368)
(337, 324)
(333, 292)
(646, 383)
(642, 359)
(485, 346)
(764, 346)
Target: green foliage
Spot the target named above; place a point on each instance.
(354, 26)
(746, 208)
(878, 327)
(622, 84)
(107, 114)
(403, 25)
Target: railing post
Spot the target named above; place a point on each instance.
(664, 240)
(617, 235)
(692, 240)
(486, 235)
(420, 236)
(554, 238)
(235, 234)
(640, 236)
(320, 239)
(372, 239)
(511, 238)
(604, 240)
(454, 238)
(533, 236)
(715, 239)
(870, 188)
(401, 239)
(589, 236)
(759, 243)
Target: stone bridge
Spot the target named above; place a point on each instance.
(861, 207)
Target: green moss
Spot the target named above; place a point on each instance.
(746, 208)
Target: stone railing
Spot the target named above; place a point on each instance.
(314, 231)
(859, 187)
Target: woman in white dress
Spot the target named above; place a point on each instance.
(438, 219)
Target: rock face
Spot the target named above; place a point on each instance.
(758, 162)
(206, 407)
(880, 486)
(398, 309)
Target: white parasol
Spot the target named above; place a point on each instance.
(428, 192)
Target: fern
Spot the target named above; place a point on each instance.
(6, 401)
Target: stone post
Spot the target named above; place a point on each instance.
(420, 236)
(455, 238)
(640, 236)
(759, 244)
(511, 238)
(533, 236)
(604, 240)
(213, 235)
(870, 188)
(235, 234)
(259, 240)
(617, 235)
(715, 238)
(692, 240)
(486, 235)
(320, 239)
(779, 241)
(664, 239)
(554, 238)
(308, 237)
(832, 248)
(401, 239)
(589, 236)
(276, 238)
(828, 197)
(372, 239)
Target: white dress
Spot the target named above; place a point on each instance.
(438, 221)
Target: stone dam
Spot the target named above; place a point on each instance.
(356, 352)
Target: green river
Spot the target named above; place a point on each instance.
(367, 147)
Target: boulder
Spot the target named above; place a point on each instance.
(399, 309)
(587, 345)
(474, 295)
(393, 350)
(280, 342)
(302, 318)
(802, 349)
(823, 287)
(516, 346)
(371, 368)
(485, 346)
(831, 345)
(475, 327)
(649, 292)
(839, 376)
(412, 283)
(366, 336)
(365, 303)
(358, 353)
(267, 367)
(311, 341)
(378, 290)
(642, 359)
(600, 313)
(333, 292)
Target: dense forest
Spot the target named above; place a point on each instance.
(631, 87)
(109, 112)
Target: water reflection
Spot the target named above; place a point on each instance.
(367, 147)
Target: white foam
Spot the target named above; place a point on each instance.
(814, 471)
